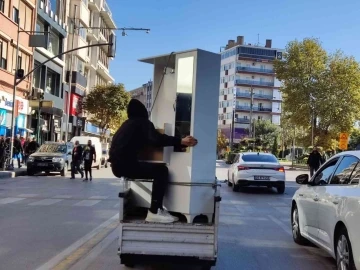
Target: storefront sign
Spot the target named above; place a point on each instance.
(6, 102)
(2, 117)
(75, 108)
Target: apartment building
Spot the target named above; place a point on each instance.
(14, 13)
(249, 89)
(49, 79)
(90, 67)
(143, 94)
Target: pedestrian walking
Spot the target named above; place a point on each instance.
(18, 151)
(76, 160)
(314, 161)
(89, 156)
(26, 150)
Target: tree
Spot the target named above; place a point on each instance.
(275, 148)
(266, 131)
(321, 87)
(221, 141)
(354, 139)
(105, 103)
(116, 122)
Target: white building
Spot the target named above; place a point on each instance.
(91, 65)
(246, 75)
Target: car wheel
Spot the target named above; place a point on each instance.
(281, 189)
(64, 170)
(344, 256)
(296, 227)
(236, 188)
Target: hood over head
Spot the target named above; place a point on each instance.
(136, 109)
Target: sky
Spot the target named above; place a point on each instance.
(178, 25)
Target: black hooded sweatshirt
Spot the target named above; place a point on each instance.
(135, 134)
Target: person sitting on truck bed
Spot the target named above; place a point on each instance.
(129, 140)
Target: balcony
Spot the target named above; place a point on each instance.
(77, 78)
(255, 109)
(254, 83)
(107, 15)
(91, 35)
(255, 70)
(104, 72)
(256, 58)
(255, 96)
(93, 5)
(242, 121)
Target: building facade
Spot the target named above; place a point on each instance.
(14, 13)
(144, 94)
(49, 78)
(249, 89)
(90, 67)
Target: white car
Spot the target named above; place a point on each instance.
(326, 209)
(256, 169)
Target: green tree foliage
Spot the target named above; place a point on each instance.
(354, 139)
(266, 131)
(116, 122)
(105, 103)
(325, 86)
(275, 147)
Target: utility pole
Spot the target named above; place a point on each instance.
(70, 76)
(232, 128)
(251, 111)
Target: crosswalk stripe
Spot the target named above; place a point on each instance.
(10, 200)
(46, 202)
(27, 195)
(98, 197)
(87, 203)
(62, 197)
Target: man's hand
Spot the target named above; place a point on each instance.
(189, 141)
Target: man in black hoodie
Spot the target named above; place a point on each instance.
(130, 139)
(314, 161)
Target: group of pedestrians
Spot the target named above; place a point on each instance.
(80, 155)
(22, 149)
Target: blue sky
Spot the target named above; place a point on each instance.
(208, 24)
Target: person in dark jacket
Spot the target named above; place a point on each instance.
(131, 138)
(33, 146)
(314, 161)
(17, 151)
(77, 155)
(89, 156)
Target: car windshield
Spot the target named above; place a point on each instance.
(259, 158)
(52, 148)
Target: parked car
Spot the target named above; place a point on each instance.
(326, 211)
(256, 169)
(50, 157)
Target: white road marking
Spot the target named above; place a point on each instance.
(58, 258)
(99, 197)
(84, 263)
(117, 205)
(27, 195)
(45, 202)
(62, 197)
(87, 203)
(10, 200)
(287, 229)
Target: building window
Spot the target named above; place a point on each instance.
(54, 43)
(2, 5)
(19, 62)
(80, 66)
(82, 31)
(15, 15)
(3, 54)
(52, 83)
(26, 15)
(40, 27)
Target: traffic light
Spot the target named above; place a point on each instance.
(112, 46)
(20, 73)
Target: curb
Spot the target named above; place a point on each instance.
(12, 174)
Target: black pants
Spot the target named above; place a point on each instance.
(313, 170)
(159, 173)
(75, 167)
(87, 168)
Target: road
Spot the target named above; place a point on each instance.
(51, 222)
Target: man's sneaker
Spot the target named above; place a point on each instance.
(166, 213)
(160, 217)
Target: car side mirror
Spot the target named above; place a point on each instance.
(302, 179)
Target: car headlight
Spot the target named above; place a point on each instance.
(31, 159)
(56, 159)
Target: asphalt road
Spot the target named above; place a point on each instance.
(51, 222)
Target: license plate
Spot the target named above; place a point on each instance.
(42, 164)
(261, 177)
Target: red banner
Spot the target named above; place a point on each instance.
(74, 105)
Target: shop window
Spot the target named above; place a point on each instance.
(52, 83)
